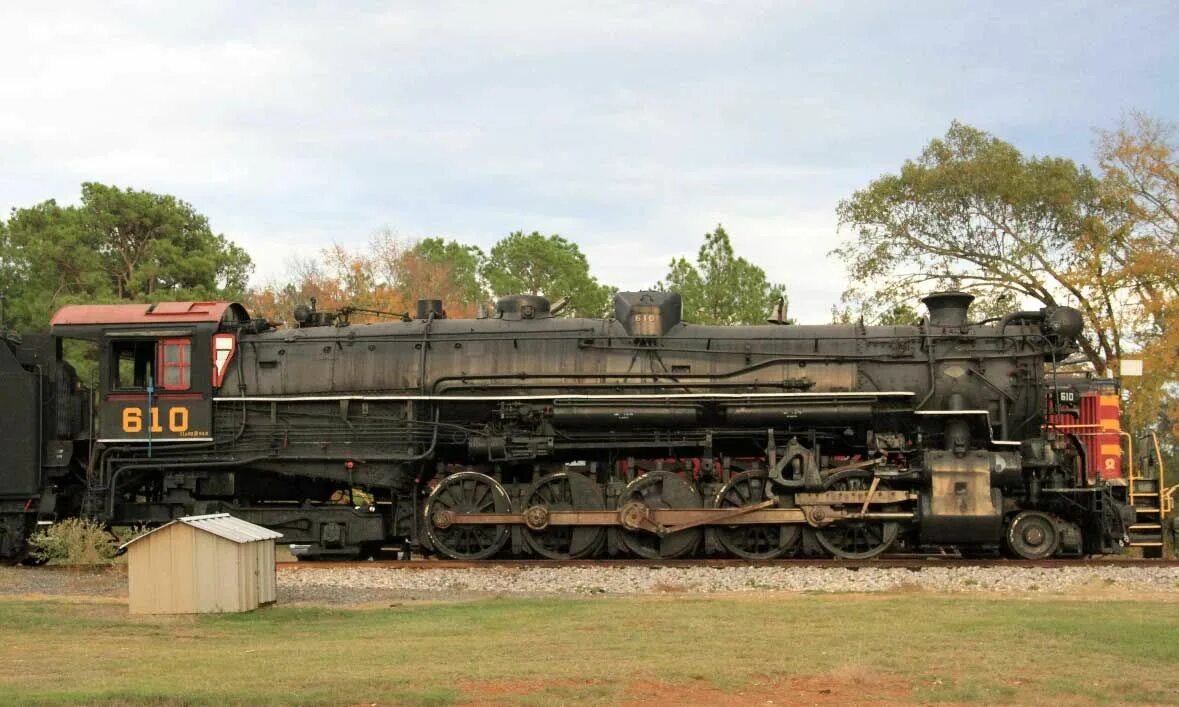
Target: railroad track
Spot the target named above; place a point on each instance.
(909, 563)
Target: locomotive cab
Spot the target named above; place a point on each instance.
(159, 365)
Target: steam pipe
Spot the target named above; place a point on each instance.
(932, 373)
(1007, 320)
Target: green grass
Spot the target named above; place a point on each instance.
(912, 647)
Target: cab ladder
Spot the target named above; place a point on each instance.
(1151, 500)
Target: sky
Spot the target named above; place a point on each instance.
(629, 128)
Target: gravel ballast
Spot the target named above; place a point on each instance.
(352, 585)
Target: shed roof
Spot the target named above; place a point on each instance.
(220, 524)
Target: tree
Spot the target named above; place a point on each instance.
(972, 211)
(721, 288)
(158, 243)
(7, 267)
(900, 314)
(50, 259)
(390, 274)
(545, 265)
(8, 275)
(1140, 168)
(459, 263)
(118, 245)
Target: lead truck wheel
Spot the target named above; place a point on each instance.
(1032, 535)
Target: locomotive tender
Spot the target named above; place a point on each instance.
(527, 433)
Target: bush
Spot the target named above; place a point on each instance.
(74, 541)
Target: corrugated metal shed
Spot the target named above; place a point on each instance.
(198, 564)
(222, 525)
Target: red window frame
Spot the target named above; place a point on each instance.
(183, 363)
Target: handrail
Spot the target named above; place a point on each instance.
(1130, 468)
(1166, 495)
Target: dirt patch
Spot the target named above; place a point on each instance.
(840, 687)
(668, 588)
(509, 692)
(848, 685)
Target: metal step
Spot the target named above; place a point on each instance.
(1140, 527)
(1145, 504)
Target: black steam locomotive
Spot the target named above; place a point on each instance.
(526, 433)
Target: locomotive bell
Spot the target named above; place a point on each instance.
(648, 314)
(948, 309)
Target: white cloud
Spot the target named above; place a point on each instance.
(631, 128)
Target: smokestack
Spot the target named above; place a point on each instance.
(948, 309)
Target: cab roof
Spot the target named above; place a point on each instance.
(97, 315)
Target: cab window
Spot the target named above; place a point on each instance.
(131, 364)
(175, 364)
